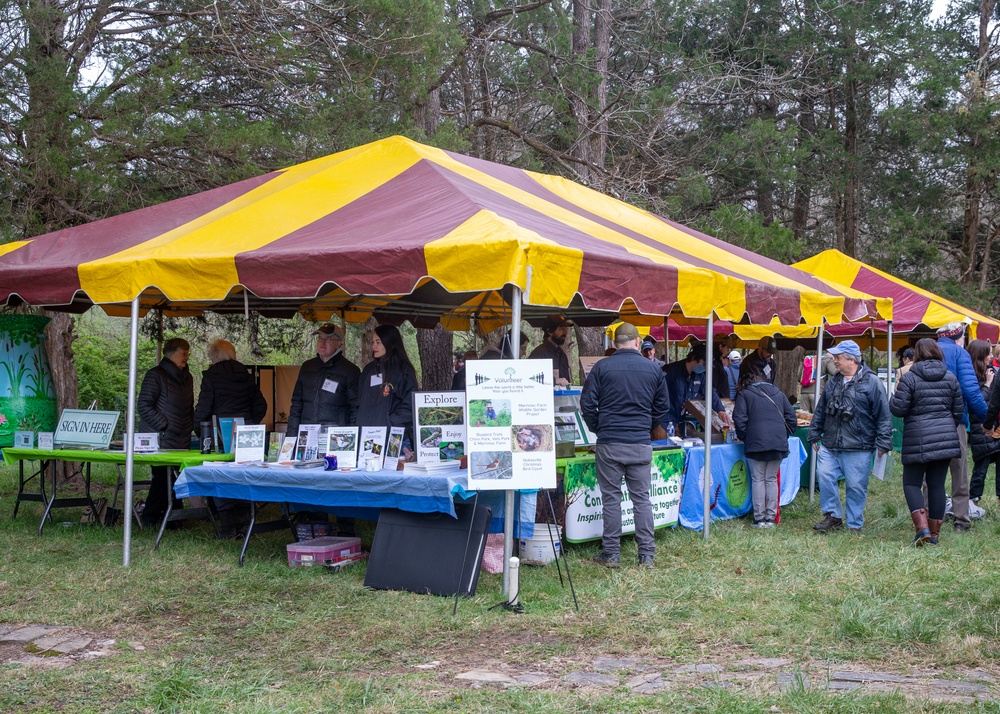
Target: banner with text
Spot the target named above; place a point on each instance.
(584, 505)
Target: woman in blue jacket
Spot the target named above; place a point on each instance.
(764, 419)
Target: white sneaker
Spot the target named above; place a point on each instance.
(948, 513)
(975, 512)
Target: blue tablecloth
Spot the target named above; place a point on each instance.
(357, 494)
(730, 494)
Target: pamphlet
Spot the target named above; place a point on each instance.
(342, 442)
(274, 446)
(250, 442)
(227, 427)
(287, 453)
(373, 445)
(45, 440)
(308, 445)
(439, 425)
(393, 448)
(24, 439)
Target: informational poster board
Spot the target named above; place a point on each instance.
(512, 438)
(584, 505)
(439, 424)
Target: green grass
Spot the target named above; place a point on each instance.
(267, 638)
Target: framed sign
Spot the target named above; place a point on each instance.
(86, 427)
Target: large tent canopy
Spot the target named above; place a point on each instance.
(402, 231)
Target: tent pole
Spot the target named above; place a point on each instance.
(133, 348)
(890, 383)
(508, 506)
(707, 481)
(819, 378)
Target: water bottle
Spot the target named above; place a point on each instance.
(206, 437)
(671, 429)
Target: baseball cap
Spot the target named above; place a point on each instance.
(735, 356)
(626, 332)
(648, 343)
(555, 321)
(329, 329)
(847, 347)
(768, 345)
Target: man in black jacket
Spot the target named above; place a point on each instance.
(762, 360)
(166, 407)
(326, 391)
(624, 398)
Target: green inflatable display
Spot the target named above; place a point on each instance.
(27, 395)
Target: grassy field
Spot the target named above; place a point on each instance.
(195, 633)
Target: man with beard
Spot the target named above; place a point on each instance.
(556, 329)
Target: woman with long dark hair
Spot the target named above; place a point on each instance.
(929, 400)
(985, 449)
(385, 390)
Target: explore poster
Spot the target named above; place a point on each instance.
(511, 440)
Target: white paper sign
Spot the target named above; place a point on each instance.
(373, 445)
(24, 439)
(393, 448)
(308, 445)
(511, 443)
(250, 443)
(45, 440)
(287, 453)
(146, 443)
(342, 442)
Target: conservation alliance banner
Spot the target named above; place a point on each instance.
(584, 506)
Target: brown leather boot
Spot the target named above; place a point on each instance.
(920, 523)
(934, 526)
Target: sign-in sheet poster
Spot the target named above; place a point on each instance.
(511, 424)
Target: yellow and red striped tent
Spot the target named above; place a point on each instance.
(400, 230)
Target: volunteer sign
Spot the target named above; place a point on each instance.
(585, 506)
(86, 427)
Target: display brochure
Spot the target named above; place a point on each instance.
(274, 445)
(46, 440)
(250, 442)
(287, 453)
(146, 443)
(85, 427)
(393, 448)
(24, 439)
(307, 448)
(511, 420)
(227, 428)
(588, 365)
(342, 442)
(373, 445)
(439, 425)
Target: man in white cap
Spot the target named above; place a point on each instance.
(624, 399)
(733, 371)
(326, 391)
(951, 339)
(762, 359)
(851, 421)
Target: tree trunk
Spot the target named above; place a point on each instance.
(436, 364)
(789, 377)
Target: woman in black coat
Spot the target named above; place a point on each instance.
(764, 419)
(929, 400)
(984, 446)
(387, 384)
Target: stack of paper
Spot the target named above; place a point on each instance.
(412, 467)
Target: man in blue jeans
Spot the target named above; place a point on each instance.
(624, 399)
(851, 421)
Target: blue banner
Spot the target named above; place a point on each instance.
(730, 483)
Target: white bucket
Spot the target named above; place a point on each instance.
(538, 548)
